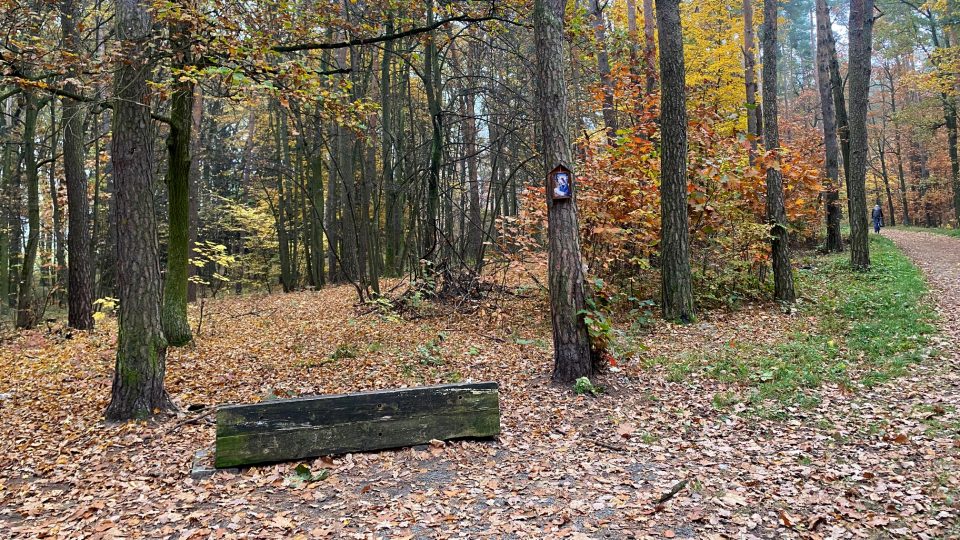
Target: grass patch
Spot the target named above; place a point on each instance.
(946, 232)
(870, 327)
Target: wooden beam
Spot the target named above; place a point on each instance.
(299, 428)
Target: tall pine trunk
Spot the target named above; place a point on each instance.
(137, 390)
(571, 342)
(861, 36)
(80, 267)
(831, 145)
(677, 288)
(776, 214)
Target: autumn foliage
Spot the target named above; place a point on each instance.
(619, 203)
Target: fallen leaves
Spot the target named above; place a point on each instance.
(878, 462)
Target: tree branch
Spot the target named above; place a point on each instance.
(325, 46)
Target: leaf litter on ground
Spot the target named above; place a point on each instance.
(859, 462)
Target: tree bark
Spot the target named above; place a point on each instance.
(571, 342)
(676, 276)
(891, 217)
(431, 85)
(861, 36)
(831, 146)
(474, 219)
(80, 266)
(58, 237)
(8, 171)
(776, 214)
(137, 390)
(176, 328)
(898, 149)
(194, 188)
(750, 78)
(26, 318)
(603, 68)
(839, 102)
(649, 46)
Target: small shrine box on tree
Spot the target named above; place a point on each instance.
(561, 183)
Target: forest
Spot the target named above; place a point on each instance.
(708, 250)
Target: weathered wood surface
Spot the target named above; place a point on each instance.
(298, 428)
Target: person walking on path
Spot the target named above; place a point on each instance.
(877, 216)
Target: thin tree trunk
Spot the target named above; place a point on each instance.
(571, 342)
(7, 174)
(474, 220)
(80, 268)
(882, 155)
(603, 68)
(676, 278)
(839, 102)
(776, 214)
(282, 141)
(194, 187)
(634, 36)
(431, 84)
(861, 35)
(901, 177)
(176, 328)
(137, 390)
(388, 145)
(750, 78)
(831, 144)
(26, 318)
(649, 46)
(58, 237)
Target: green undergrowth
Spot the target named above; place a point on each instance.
(946, 232)
(869, 327)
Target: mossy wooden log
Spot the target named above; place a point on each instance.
(299, 428)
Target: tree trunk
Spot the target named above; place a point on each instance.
(26, 318)
(603, 68)
(176, 328)
(8, 173)
(750, 78)
(633, 36)
(675, 229)
(897, 146)
(831, 145)
(431, 84)
(282, 143)
(649, 45)
(388, 144)
(59, 276)
(839, 102)
(882, 155)
(950, 116)
(315, 193)
(474, 220)
(194, 187)
(80, 267)
(776, 214)
(571, 342)
(861, 35)
(138, 390)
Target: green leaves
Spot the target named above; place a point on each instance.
(305, 475)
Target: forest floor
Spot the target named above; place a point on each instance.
(839, 420)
